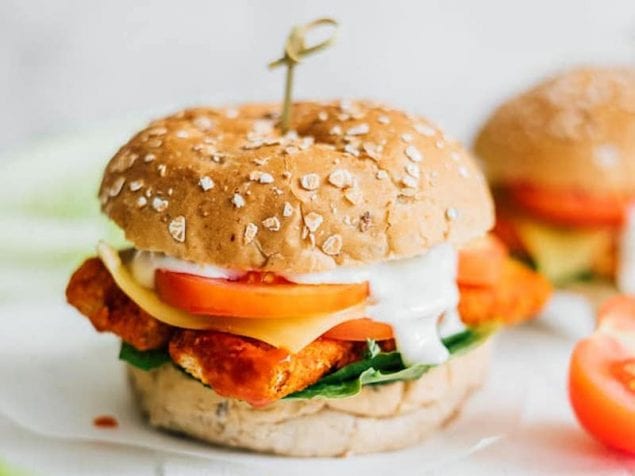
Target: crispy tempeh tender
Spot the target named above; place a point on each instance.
(518, 296)
(254, 371)
(235, 366)
(520, 293)
(94, 293)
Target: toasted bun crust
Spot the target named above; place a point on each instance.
(573, 131)
(380, 418)
(358, 183)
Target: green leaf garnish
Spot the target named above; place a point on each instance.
(375, 368)
(143, 359)
(385, 367)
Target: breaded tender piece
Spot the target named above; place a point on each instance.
(234, 366)
(518, 296)
(256, 372)
(94, 293)
(253, 371)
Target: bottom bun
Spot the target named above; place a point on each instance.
(380, 418)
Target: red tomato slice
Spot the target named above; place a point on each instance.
(481, 263)
(602, 376)
(602, 390)
(571, 207)
(360, 330)
(256, 297)
(506, 230)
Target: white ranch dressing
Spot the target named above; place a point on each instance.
(144, 264)
(409, 294)
(626, 254)
(451, 323)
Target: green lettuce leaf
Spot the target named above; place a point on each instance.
(376, 368)
(143, 359)
(385, 367)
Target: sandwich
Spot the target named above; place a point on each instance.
(561, 161)
(326, 291)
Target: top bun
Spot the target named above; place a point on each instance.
(354, 183)
(573, 131)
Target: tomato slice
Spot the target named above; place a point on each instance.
(255, 297)
(602, 390)
(571, 207)
(360, 330)
(481, 263)
(602, 376)
(506, 230)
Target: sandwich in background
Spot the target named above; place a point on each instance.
(561, 161)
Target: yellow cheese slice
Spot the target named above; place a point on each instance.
(292, 334)
(562, 254)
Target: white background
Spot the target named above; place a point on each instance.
(70, 65)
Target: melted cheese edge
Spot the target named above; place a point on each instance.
(291, 334)
(561, 253)
(410, 294)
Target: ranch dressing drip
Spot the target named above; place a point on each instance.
(409, 294)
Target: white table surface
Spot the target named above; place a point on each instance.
(49, 456)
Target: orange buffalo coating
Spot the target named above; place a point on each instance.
(94, 293)
(254, 371)
(234, 366)
(519, 295)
